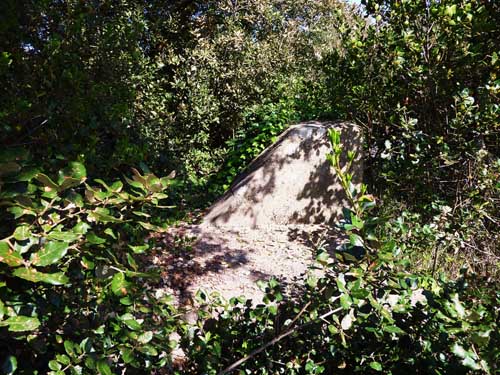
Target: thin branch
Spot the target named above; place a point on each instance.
(236, 364)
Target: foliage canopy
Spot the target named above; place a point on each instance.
(93, 88)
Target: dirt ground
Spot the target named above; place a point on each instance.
(230, 261)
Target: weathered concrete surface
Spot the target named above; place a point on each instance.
(291, 182)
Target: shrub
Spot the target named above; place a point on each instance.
(422, 77)
(365, 314)
(74, 295)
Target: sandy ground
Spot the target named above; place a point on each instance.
(231, 260)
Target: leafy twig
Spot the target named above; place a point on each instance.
(236, 364)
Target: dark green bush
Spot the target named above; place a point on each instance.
(119, 82)
(364, 315)
(73, 273)
(190, 84)
(422, 77)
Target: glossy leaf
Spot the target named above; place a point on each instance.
(9, 256)
(103, 368)
(51, 253)
(31, 274)
(21, 323)
(118, 284)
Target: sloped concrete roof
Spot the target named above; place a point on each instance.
(291, 182)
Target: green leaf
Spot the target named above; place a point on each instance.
(69, 347)
(356, 223)
(102, 215)
(119, 284)
(334, 135)
(54, 365)
(139, 249)
(63, 236)
(142, 214)
(148, 350)
(481, 338)
(21, 323)
(135, 184)
(394, 329)
(459, 308)
(130, 321)
(376, 366)
(131, 261)
(103, 368)
(116, 186)
(451, 10)
(81, 228)
(33, 275)
(110, 233)
(47, 182)
(69, 182)
(58, 278)
(127, 355)
(76, 170)
(471, 363)
(9, 256)
(332, 329)
(51, 253)
(359, 293)
(494, 58)
(22, 233)
(356, 240)
(468, 357)
(145, 337)
(9, 366)
(149, 226)
(75, 199)
(94, 239)
(85, 345)
(63, 358)
(87, 263)
(323, 258)
(345, 301)
(312, 281)
(27, 174)
(19, 212)
(127, 301)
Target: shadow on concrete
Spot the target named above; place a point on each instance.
(265, 192)
(320, 238)
(184, 254)
(322, 190)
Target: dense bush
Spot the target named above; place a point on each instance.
(364, 318)
(70, 75)
(73, 283)
(75, 297)
(263, 126)
(166, 83)
(422, 77)
(365, 314)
